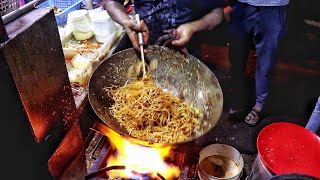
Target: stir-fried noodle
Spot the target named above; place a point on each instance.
(151, 114)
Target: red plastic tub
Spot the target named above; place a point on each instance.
(289, 148)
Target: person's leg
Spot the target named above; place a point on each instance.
(267, 34)
(314, 120)
(238, 53)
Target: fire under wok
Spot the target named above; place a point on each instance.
(182, 75)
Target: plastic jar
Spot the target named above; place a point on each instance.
(259, 170)
(102, 25)
(92, 12)
(80, 24)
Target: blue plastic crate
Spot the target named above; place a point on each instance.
(66, 5)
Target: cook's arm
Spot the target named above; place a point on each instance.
(118, 13)
(207, 22)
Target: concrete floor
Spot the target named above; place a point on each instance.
(294, 89)
(289, 101)
(293, 93)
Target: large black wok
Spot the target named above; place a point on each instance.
(183, 75)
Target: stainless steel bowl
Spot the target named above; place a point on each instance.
(220, 162)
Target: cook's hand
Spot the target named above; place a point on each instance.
(184, 34)
(133, 29)
(168, 38)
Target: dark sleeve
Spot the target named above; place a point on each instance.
(119, 1)
(232, 2)
(206, 6)
(212, 4)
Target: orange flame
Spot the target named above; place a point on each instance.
(137, 158)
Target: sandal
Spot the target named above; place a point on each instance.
(253, 117)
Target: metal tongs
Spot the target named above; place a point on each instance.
(140, 41)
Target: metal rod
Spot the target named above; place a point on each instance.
(3, 32)
(20, 11)
(160, 176)
(140, 40)
(103, 171)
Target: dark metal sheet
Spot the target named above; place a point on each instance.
(36, 61)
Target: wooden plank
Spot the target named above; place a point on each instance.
(36, 60)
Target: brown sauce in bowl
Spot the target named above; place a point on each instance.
(216, 166)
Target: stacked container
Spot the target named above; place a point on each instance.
(101, 24)
(81, 25)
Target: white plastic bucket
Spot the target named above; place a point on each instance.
(260, 171)
(80, 24)
(80, 20)
(102, 25)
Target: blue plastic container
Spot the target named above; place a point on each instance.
(66, 5)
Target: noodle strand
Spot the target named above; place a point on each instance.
(148, 113)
